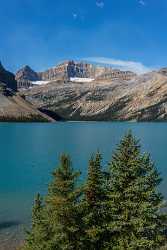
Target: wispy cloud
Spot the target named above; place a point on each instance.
(136, 67)
(142, 2)
(100, 4)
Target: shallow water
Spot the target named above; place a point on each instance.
(29, 153)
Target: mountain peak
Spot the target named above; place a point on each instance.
(27, 73)
(27, 67)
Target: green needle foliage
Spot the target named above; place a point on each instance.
(63, 205)
(95, 205)
(134, 201)
(39, 236)
(118, 210)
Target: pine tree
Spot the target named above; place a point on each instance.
(95, 205)
(63, 205)
(39, 238)
(134, 201)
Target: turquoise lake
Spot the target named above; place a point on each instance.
(29, 153)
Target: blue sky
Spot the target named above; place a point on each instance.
(41, 33)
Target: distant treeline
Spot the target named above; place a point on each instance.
(117, 209)
(30, 118)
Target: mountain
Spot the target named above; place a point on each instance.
(143, 98)
(112, 95)
(163, 71)
(8, 78)
(26, 73)
(70, 69)
(13, 107)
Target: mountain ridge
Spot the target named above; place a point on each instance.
(112, 96)
(141, 99)
(71, 69)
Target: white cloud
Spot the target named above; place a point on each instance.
(100, 4)
(142, 2)
(136, 67)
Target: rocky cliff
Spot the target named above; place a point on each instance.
(64, 70)
(143, 99)
(8, 78)
(25, 77)
(26, 73)
(71, 69)
(14, 108)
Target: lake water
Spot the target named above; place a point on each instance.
(29, 153)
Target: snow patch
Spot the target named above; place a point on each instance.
(77, 79)
(40, 82)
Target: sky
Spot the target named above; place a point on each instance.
(127, 34)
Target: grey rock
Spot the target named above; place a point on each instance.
(14, 107)
(70, 69)
(26, 73)
(143, 98)
(8, 78)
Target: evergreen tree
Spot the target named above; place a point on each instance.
(63, 205)
(39, 236)
(134, 201)
(95, 205)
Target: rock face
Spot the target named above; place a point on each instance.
(163, 71)
(26, 73)
(71, 69)
(143, 99)
(25, 76)
(8, 78)
(14, 108)
(116, 75)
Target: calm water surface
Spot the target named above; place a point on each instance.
(29, 153)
